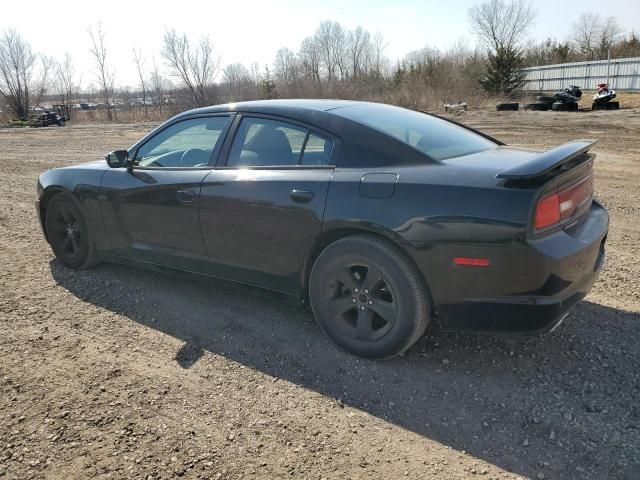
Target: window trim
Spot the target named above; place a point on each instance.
(223, 157)
(215, 154)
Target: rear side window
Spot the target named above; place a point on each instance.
(317, 150)
(267, 142)
(433, 136)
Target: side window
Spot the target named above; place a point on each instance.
(317, 150)
(189, 143)
(264, 142)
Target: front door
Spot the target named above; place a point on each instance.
(261, 211)
(151, 212)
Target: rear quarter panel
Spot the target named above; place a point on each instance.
(436, 213)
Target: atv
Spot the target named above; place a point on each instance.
(567, 99)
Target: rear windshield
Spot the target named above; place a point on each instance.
(433, 136)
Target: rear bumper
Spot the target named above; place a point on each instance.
(538, 281)
(528, 314)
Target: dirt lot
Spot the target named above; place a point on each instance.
(122, 373)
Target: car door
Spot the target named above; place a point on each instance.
(151, 211)
(261, 209)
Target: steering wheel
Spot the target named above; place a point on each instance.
(191, 151)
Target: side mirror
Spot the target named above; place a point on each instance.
(117, 158)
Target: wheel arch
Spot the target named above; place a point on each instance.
(330, 236)
(45, 200)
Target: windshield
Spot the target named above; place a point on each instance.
(433, 136)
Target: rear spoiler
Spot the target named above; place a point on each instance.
(547, 161)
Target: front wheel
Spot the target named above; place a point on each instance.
(367, 297)
(68, 233)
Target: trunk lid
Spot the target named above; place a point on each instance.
(562, 178)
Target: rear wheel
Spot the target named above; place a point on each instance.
(367, 298)
(68, 233)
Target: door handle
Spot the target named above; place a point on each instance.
(301, 196)
(186, 196)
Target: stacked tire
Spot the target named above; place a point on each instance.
(542, 104)
(606, 106)
(507, 107)
(538, 106)
(564, 107)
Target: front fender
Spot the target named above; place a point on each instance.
(82, 186)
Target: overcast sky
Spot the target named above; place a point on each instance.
(252, 30)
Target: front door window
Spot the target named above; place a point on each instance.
(187, 144)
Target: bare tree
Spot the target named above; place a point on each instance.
(502, 24)
(196, 67)
(330, 38)
(236, 75)
(139, 60)
(310, 58)
(377, 55)
(103, 71)
(610, 34)
(157, 85)
(585, 32)
(359, 43)
(21, 81)
(63, 79)
(594, 36)
(286, 66)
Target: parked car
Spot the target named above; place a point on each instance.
(385, 219)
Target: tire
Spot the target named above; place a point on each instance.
(612, 106)
(367, 297)
(68, 233)
(507, 106)
(538, 106)
(61, 122)
(564, 107)
(545, 98)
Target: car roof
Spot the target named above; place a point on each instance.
(280, 106)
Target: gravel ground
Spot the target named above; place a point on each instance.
(123, 373)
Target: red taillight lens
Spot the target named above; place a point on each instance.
(547, 211)
(559, 206)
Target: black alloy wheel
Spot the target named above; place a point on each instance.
(367, 297)
(68, 234)
(361, 302)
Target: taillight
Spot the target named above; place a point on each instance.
(559, 206)
(547, 211)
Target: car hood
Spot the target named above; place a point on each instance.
(93, 165)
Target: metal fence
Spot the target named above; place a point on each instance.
(619, 73)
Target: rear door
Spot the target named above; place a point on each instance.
(261, 209)
(151, 212)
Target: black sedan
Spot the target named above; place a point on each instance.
(384, 219)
